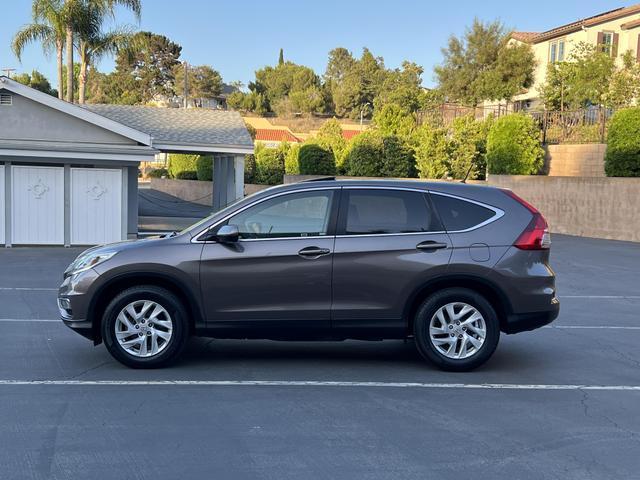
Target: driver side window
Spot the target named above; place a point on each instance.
(304, 214)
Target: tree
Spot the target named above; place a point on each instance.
(583, 80)
(204, 82)
(330, 136)
(36, 80)
(392, 119)
(48, 28)
(149, 63)
(432, 152)
(402, 87)
(281, 57)
(372, 154)
(483, 65)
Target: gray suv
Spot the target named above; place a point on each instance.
(448, 264)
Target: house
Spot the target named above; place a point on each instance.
(69, 173)
(614, 32)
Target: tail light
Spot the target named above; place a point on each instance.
(536, 236)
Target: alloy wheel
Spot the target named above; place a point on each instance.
(457, 330)
(143, 328)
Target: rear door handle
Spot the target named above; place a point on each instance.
(313, 252)
(431, 246)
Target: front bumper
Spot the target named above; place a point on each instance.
(522, 322)
(73, 303)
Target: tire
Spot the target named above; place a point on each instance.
(169, 335)
(434, 319)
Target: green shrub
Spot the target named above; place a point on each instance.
(513, 146)
(316, 160)
(249, 168)
(330, 137)
(623, 144)
(432, 152)
(371, 154)
(158, 173)
(187, 175)
(204, 167)
(269, 166)
(291, 165)
(179, 162)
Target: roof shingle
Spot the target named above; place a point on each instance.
(186, 127)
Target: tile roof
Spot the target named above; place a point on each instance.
(275, 135)
(529, 37)
(526, 37)
(179, 126)
(349, 134)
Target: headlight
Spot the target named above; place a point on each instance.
(88, 260)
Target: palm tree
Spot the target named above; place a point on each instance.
(93, 47)
(85, 18)
(48, 28)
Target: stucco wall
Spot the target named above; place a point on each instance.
(29, 120)
(590, 207)
(585, 160)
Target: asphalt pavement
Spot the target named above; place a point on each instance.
(560, 402)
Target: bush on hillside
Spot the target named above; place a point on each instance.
(513, 146)
(269, 166)
(372, 154)
(316, 160)
(623, 144)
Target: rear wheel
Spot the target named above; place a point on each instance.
(145, 327)
(457, 329)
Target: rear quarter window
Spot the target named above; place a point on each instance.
(457, 214)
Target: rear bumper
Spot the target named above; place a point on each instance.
(522, 322)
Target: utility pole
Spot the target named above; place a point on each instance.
(7, 71)
(186, 85)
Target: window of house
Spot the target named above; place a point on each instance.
(556, 51)
(367, 212)
(291, 215)
(606, 45)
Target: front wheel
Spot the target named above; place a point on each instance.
(457, 329)
(145, 327)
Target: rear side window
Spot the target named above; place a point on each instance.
(459, 214)
(366, 212)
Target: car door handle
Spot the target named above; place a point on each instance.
(313, 252)
(431, 246)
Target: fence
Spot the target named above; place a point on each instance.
(587, 125)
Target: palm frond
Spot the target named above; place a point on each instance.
(32, 33)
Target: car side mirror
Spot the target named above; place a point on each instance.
(228, 234)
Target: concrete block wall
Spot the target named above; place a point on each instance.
(576, 160)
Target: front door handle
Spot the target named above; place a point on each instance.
(431, 246)
(313, 252)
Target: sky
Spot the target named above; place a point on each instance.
(238, 37)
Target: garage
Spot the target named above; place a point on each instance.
(69, 173)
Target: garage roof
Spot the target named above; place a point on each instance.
(178, 129)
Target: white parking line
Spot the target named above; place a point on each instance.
(29, 289)
(313, 383)
(601, 297)
(30, 320)
(592, 327)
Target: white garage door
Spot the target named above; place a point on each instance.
(1, 204)
(96, 206)
(37, 205)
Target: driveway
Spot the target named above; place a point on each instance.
(559, 402)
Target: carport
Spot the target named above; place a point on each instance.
(69, 173)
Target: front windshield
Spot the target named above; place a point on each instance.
(195, 228)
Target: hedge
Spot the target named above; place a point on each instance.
(158, 173)
(179, 162)
(187, 175)
(269, 166)
(513, 146)
(623, 144)
(372, 154)
(204, 168)
(316, 160)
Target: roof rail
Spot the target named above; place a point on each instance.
(319, 179)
